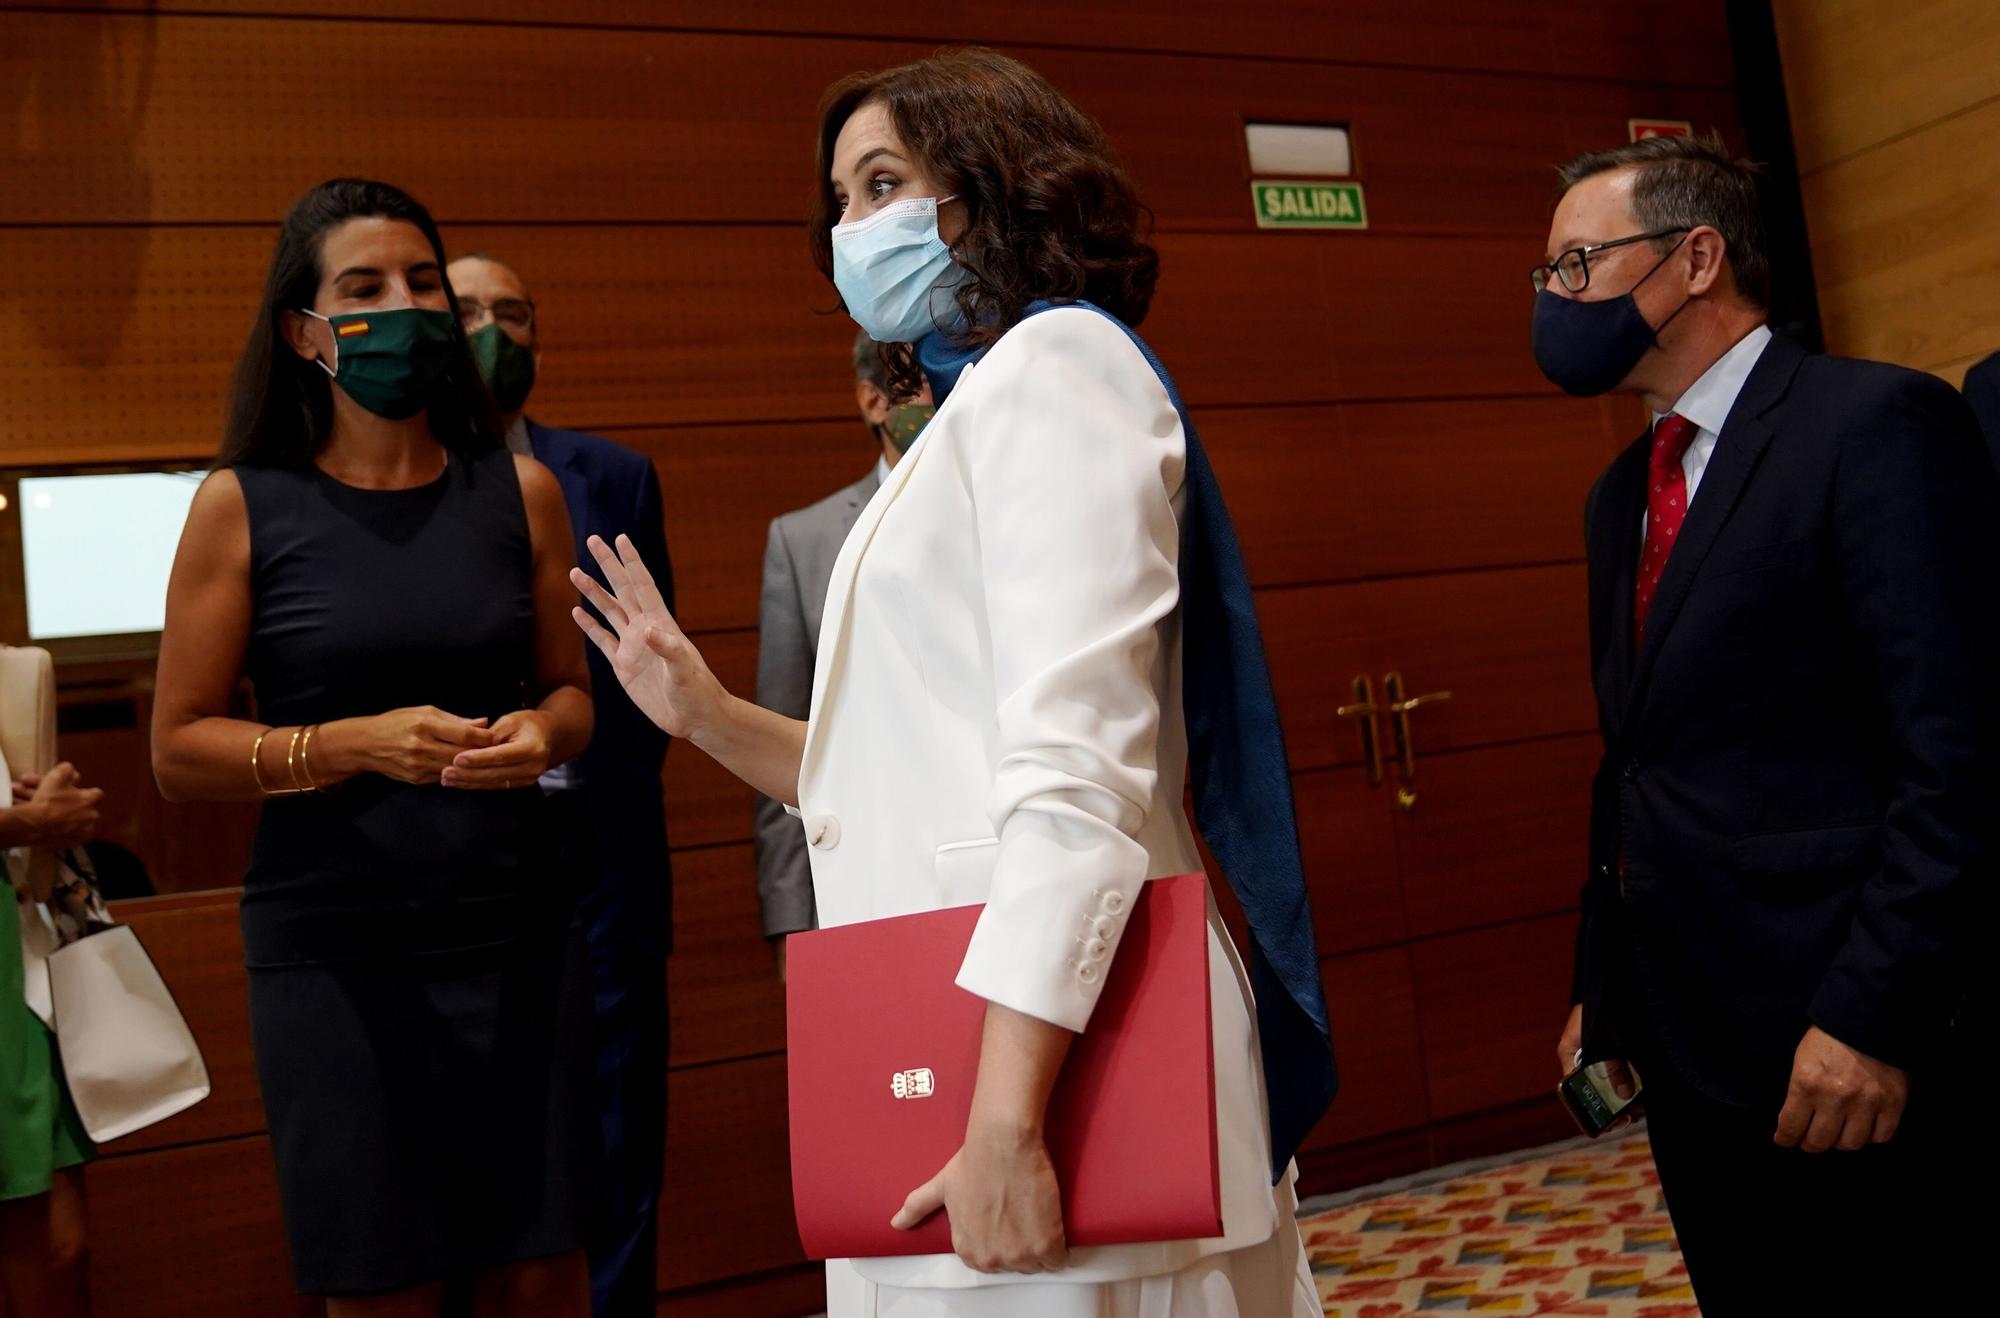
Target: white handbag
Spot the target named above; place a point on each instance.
(127, 1054)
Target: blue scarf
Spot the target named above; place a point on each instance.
(1236, 760)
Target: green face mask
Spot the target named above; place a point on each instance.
(508, 368)
(906, 422)
(389, 361)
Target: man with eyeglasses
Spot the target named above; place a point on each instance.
(1793, 637)
(614, 834)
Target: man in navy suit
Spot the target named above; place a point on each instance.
(615, 833)
(1794, 645)
(1982, 390)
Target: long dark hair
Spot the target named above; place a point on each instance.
(1050, 212)
(281, 406)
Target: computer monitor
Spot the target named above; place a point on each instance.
(85, 553)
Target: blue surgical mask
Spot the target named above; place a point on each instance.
(1586, 348)
(895, 274)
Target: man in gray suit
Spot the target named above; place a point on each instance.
(798, 563)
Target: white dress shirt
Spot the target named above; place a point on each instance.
(1708, 400)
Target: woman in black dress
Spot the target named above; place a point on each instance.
(392, 581)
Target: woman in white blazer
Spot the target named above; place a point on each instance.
(997, 706)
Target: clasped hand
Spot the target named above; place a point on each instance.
(425, 744)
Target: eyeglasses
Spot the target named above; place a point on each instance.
(1573, 266)
(513, 312)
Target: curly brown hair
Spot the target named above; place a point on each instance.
(1050, 212)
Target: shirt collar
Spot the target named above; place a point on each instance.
(882, 470)
(1708, 400)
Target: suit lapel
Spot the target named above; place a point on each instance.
(835, 618)
(1745, 436)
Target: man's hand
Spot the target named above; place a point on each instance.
(1839, 1098)
(1571, 1043)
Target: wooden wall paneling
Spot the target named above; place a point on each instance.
(1512, 646)
(195, 120)
(1371, 1001)
(119, 94)
(1455, 152)
(1528, 1124)
(1458, 151)
(1682, 44)
(1507, 34)
(1904, 249)
(1281, 350)
(722, 486)
(1319, 639)
(790, 1293)
(1479, 483)
(197, 944)
(206, 844)
(1595, 116)
(1431, 318)
(1291, 489)
(1319, 317)
(118, 343)
(1515, 36)
(1348, 843)
(1859, 72)
(1490, 1003)
(706, 804)
(722, 984)
(191, 1233)
(1497, 834)
(115, 759)
(728, 1146)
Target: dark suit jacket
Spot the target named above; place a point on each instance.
(611, 489)
(1799, 765)
(1982, 390)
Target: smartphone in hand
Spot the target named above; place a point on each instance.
(1593, 1104)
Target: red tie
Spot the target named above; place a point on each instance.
(1666, 508)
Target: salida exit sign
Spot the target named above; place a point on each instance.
(1304, 204)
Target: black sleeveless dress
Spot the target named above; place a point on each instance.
(417, 994)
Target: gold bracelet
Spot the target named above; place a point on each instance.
(305, 759)
(257, 774)
(292, 759)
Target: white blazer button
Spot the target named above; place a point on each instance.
(1087, 972)
(1096, 950)
(1104, 927)
(823, 831)
(1113, 902)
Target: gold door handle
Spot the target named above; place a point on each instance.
(1365, 709)
(1400, 706)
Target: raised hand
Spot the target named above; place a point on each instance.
(652, 657)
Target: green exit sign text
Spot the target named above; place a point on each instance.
(1305, 205)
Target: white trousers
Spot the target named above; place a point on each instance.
(1270, 1279)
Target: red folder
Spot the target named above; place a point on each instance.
(884, 1050)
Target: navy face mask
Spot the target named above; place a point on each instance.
(1586, 348)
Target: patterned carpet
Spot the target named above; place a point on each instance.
(1580, 1230)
